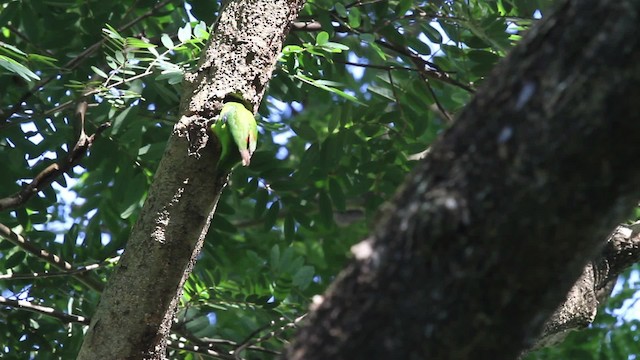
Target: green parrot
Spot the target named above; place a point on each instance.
(236, 127)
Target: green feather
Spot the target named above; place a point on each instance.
(236, 128)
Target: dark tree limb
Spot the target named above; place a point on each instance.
(490, 232)
(44, 310)
(53, 171)
(593, 287)
(49, 274)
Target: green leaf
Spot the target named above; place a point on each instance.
(483, 56)
(378, 50)
(305, 131)
(302, 278)
(117, 123)
(15, 259)
(5, 245)
(382, 91)
(272, 215)
(368, 38)
(49, 61)
(334, 47)
(322, 38)
(17, 68)
(184, 33)
(420, 47)
(308, 161)
(99, 72)
(292, 49)
(318, 84)
(326, 210)
(198, 324)
(432, 34)
(131, 198)
(287, 262)
(275, 256)
(112, 32)
(139, 44)
(70, 239)
(119, 57)
(289, 228)
(403, 6)
(261, 198)
(12, 49)
(166, 41)
(354, 17)
(220, 223)
(341, 10)
(200, 31)
(337, 195)
(393, 35)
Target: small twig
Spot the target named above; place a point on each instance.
(441, 108)
(306, 26)
(44, 310)
(73, 63)
(52, 259)
(198, 349)
(426, 68)
(395, 95)
(281, 329)
(361, 3)
(79, 270)
(28, 246)
(213, 341)
(254, 333)
(248, 342)
(51, 172)
(215, 344)
(379, 67)
(19, 34)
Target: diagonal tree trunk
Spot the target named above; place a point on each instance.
(490, 232)
(137, 307)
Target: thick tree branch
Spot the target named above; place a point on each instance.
(593, 287)
(494, 227)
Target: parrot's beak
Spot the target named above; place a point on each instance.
(246, 157)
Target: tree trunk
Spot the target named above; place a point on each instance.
(137, 307)
(490, 232)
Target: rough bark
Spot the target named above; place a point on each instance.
(489, 233)
(593, 287)
(137, 307)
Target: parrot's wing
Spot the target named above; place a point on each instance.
(253, 136)
(244, 131)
